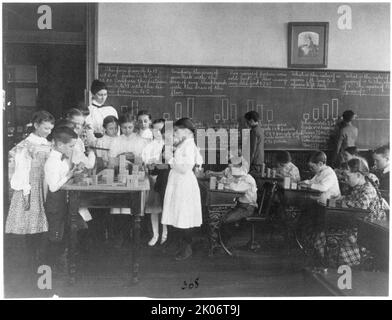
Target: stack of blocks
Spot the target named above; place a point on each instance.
(123, 171)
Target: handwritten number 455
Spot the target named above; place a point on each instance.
(191, 285)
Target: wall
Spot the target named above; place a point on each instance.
(234, 34)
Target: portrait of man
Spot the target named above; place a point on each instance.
(308, 44)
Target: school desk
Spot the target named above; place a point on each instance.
(326, 217)
(105, 196)
(215, 197)
(374, 235)
(215, 203)
(300, 198)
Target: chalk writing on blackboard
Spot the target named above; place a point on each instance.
(298, 108)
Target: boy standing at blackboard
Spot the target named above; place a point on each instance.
(347, 136)
(256, 141)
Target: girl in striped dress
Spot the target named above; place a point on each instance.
(26, 215)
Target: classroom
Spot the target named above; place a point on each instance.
(215, 150)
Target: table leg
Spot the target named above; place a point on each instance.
(136, 247)
(137, 209)
(73, 207)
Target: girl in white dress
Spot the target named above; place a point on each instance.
(131, 145)
(152, 155)
(110, 123)
(182, 204)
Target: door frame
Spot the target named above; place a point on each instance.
(92, 48)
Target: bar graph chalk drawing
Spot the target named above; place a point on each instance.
(298, 109)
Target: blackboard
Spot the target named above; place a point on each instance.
(299, 108)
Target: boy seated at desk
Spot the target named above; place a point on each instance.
(227, 172)
(285, 168)
(324, 180)
(364, 195)
(235, 178)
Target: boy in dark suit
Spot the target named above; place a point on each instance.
(256, 141)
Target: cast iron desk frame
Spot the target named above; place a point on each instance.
(217, 200)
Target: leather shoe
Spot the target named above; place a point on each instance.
(185, 253)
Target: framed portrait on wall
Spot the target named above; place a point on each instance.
(307, 44)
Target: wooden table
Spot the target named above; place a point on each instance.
(105, 196)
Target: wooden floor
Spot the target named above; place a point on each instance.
(270, 272)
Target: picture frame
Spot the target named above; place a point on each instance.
(307, 44)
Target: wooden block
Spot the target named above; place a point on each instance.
(122, 163)
(122, 178)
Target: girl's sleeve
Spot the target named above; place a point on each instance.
(21, 178)
(362, 201)
(183, 160)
